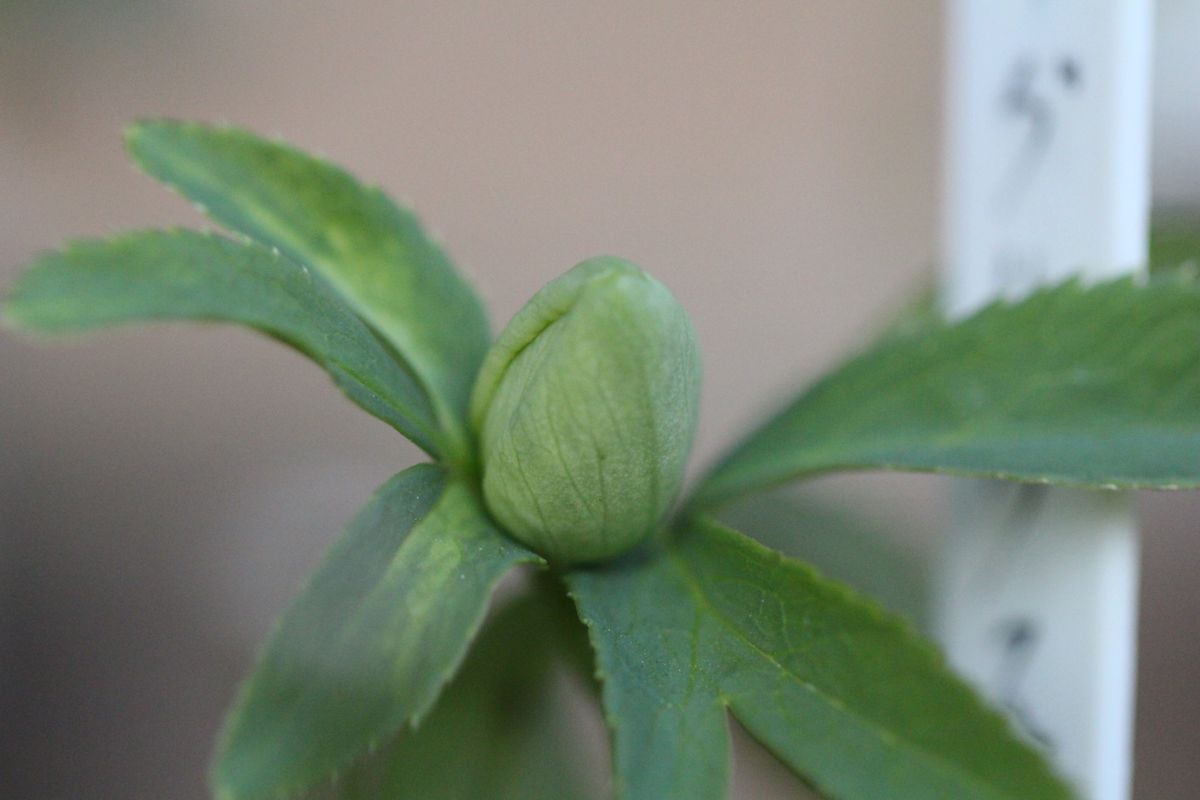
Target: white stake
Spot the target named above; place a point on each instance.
(1047, 176)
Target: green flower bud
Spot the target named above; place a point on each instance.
(585, 410)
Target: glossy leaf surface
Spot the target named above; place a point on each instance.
(499, 730)
(873, 556)
(187, 275)
(370, 642)
(1092, 387)
(845, 694)
(375, 254)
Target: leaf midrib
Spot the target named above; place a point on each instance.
(326, 265)
(996, 435)
(826, 458)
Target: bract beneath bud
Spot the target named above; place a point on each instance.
(585, 410)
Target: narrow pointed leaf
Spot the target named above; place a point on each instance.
(180, 274)
(370, 642)
(656, 660)
(1093, 387)
(375, 254)
(497, 731)
(845, 694)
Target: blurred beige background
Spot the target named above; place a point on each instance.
(162, 492)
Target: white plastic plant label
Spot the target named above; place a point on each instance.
(1046, 177)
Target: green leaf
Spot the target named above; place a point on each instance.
(656, 659)
(843, 543)
(1092, 387)
(171, 275)
(375, 254)
(497, 732)
(370, 642)
(846, 695)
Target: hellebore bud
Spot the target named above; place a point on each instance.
(585, 410)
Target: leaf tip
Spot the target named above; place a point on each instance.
(144, 134)
(9, 317)
(14, 310)
(135, 133)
